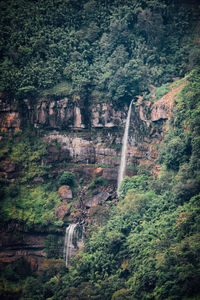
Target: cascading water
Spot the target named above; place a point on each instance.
(124, 148)
(68, 245)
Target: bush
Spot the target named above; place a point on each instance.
(174, 153)
(97, 182)
(67, 178)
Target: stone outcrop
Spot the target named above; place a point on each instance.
(78, 122)
(62, 211)
(103, 115)
(56, 154)
(9, 116)
(51, 113)
(16, 245)
(65, 193)
(162, 109)
(97, 199)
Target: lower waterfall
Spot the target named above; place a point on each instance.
(124, 149)
(68, 245)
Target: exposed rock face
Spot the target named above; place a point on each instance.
(97, 199)
(14, 246)
(51, 113)
(103, 115)
(55, 154)
(65, 193)
(7, 106)
(162, 109)
(86, 147)
(78, 118)
(62, 211)
(98, 172)
(9, 116)
(82, 149)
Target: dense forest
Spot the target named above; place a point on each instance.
(147, 244)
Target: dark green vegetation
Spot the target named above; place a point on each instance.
(148, 245)
(31, 199)
(106, 49)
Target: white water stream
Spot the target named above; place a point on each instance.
(68, 246)
(122, 167)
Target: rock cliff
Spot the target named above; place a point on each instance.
(90, 140)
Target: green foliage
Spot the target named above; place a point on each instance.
(53, 246)
(12, 278)
(33, 207)
(67, 178)
(97, 181)
(19, 269)
(25, 201)
(137, 183)
(161, 91)
(148, 248)
(61, 89)
(27, 92)
(175, 152)
(66, 48)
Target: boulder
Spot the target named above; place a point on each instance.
(62, 211)
(98, 172)
(162, 109)
(65, 193)
(97, 199)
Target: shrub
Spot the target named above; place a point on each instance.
(67, 178)
(97, 182)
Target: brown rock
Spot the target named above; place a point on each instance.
(110, 173)
(104, 115)
(62, 211)
(162, 109)
(42, 113)
(65, 193)
(155, 170)
(55, 154)
(10, 120)
(38, 179)
(97, 199)
(98, 172)
(78, 118)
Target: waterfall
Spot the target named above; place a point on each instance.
(124, 148)
(68, 245)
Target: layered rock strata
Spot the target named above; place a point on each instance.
(90, 139)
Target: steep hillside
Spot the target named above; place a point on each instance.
(69, 72)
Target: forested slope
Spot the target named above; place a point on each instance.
(112, 49)
(146, 244)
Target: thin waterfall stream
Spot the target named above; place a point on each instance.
(68, 245)
(122, 167)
